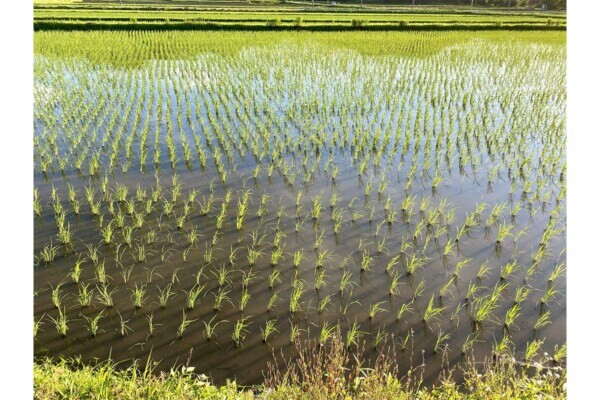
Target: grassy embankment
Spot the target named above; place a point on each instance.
(329, 372)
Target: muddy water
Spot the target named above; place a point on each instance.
(219, 357)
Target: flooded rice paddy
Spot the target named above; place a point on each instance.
(210, 207)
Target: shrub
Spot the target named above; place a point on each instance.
(359, 23)
(274, 22)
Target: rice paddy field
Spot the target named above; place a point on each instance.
(211, 198)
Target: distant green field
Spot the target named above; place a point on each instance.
(234, 16)
(85, 18)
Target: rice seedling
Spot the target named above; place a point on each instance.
(414, 263)
(508, 270)
(274, 278)
(65, 235)
(446, 287)
(366, 261)
(317, 207)
(389, 268)
(222, 275)
(299, 198)
(247, 277)
(75, 272)
(327, 332)
(240, 330)
(167, 208)
(85, 296)
(549, 295)
(403, 309)
(356, 215)
(495, 213)
(93, 253)
(533, 349)
(294, 332)
(138, 295)
(138, 220)
(503, 347)
(151, 325)
(180, 220)
(76, 207)
(95, 208)
(127, 235)
(468, 344)
(149, 206)
(484, 269)
(432, 312)
(394, 285)
(558, 271)
(37, 325)
(482, 309)
(183, 326)
(48, 253)
(242, 210)
(511, 315)
(419, 290)
(57, 295)
(522, 294)
(323, 303)
(376, 309)
(441, 338)
(93, 324)
(276, 256)
(105, 296)
(220, 297)
(121, 192)
(107, 233)
(381, 246)
(268, 330)
(459, 266)
(61, 322)
(273, 300)
(125, 273)
(346, 281)
(380, 337)
(37, 206)
(164, 295)
(210, 328)
(298, 255)
(353, 335)
(209, 254)
(407, 205)
(560, 353)
(244, 299)
(318, 239)
(100, 272)
(322, 258)
(192, 295)
(504, 230)
(296, 296)
(130, 207)
(253, 255)
(471, 291)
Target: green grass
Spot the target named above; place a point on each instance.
(323, 371)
